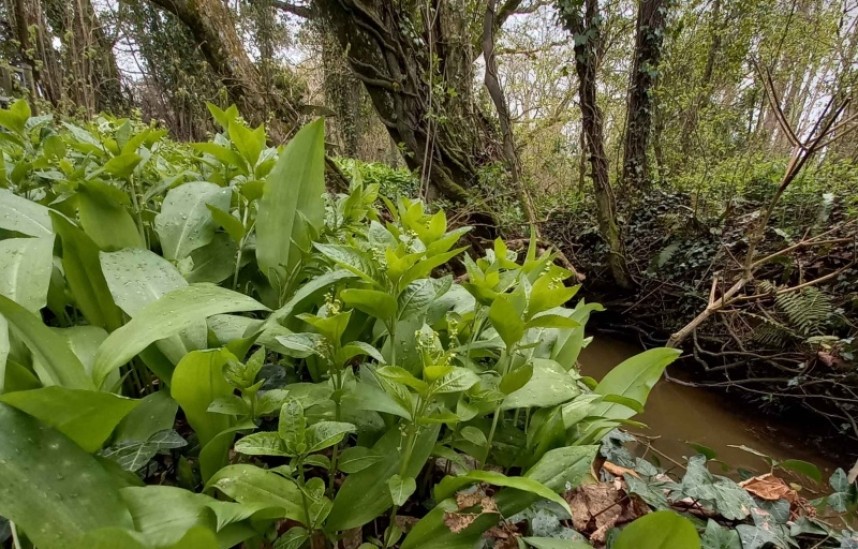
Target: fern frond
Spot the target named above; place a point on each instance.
(808, 310)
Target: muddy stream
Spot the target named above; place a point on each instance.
(676, 414)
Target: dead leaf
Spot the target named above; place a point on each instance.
(619, 471)
(505, 535)
(596, 508)
(457, 522)
(353, 538)
(405, 523)
(853, 473)
(770, 488)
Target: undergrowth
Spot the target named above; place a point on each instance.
(200, 347)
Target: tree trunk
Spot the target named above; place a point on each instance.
(91, 77)
(689, 125)
(444, 135)
(647, 55)
(36, 50)
(586, 32)
(493, 86)
(213, 28)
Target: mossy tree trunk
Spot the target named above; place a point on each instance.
(583, 22)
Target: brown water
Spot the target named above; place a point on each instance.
(677, 414)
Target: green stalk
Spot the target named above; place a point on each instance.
(335, 455)
(238, 255)
(138, 214)
(410, 439)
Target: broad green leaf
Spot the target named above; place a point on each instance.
(549, 385)
(569, 342)
(325, 434)
(58, 364)
(231, 224)
(122, 165)
(364, 495)
(86, 417)
(306, 295)
(156, 412)
(292, 209)
(506, 319)
(516, 379)
(633, 378)
(185, 222)
(249, 142)
(19, 215)
(294, 538)
(224, 155)
(356, 262)
(557, 469)
(401, 489)
(25, 270)
(222, 117)
(299, 345)
(450, 485)
(176, 311)
(356, 458)
(104, 217)
(85, 278)
(111, 538)
(292, 426)
(214, 262)
(215, 454)
(659, 530)
(164, 513)
(401, 375)
(379, 304)
(367, 397)
(252, 485)
(802, 467)
(137, 278)
(197, 381)
(5, 349)
(49, 487)
(84, 341)
(458, 380)
(359, 348)
(261, 444)
(15, 117)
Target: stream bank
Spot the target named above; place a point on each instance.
(678, 414)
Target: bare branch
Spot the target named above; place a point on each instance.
(295, 9)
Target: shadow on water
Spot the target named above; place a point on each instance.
(676, 414)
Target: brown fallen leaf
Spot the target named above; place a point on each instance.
(619, 471)
(596, 508)
(770, 488)
(352, 538)
(457, 522)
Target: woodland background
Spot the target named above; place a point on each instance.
(693, 161)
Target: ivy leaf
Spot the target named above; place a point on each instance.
(719, 493)
(718, 537)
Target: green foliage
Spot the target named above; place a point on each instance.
(334, 410)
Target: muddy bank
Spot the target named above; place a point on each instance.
(677, 414)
